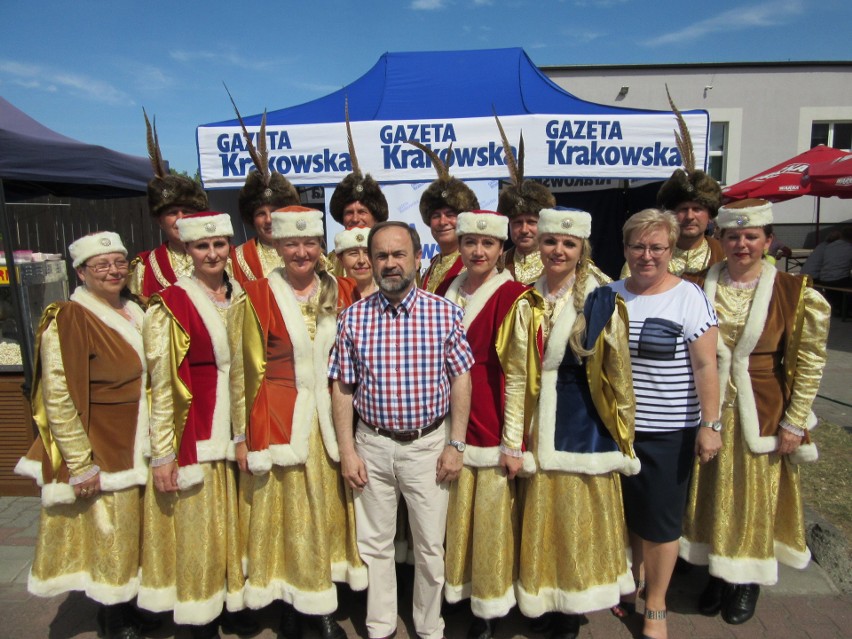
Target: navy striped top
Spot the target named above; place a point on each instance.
(661, 328)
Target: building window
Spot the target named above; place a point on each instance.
(717, 151)
(834, 134)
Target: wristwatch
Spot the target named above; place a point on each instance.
(715, 425)
(459, 446)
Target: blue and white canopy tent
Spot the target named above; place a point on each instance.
(449, 98)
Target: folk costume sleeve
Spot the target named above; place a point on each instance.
(158, 332)
(236, 317)
(518, 350)
(611, 379)
(810, 357)
(63, 417)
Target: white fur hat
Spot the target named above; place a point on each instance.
(297, 221)
(202, 225)
(489, 223)
(564, 221)
(353, 238)
(95, 244)
(750, 213)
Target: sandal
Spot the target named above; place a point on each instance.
(623, 609)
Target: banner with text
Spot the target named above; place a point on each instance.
(630, 146)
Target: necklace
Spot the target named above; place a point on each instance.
(217, 297)
(551, 298)
(306, 295)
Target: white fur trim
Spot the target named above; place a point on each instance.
(482, 608)
(30, 468)
(310, 359)
(489, 457)
(57, 493)
(353, 238)
(734, 364)
(345, 573)
(236, 600)
(199, 612)
(138, 475)
(157, 599)
(203, 225)
(552, 599)
(488, 223)
(95, 244)
(572, 222)
(107, 594)
(216, 447)
(791, 557)
(494, 608)
(189, 476)
(479, 299)
(323, 602)
(744, 570)
(547, 456)
(695, 553)
(745, 214)
(300, 222)
(260, 461)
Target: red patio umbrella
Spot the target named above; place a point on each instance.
(783, 181)
(832, 178)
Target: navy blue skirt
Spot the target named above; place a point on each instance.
(655, 499)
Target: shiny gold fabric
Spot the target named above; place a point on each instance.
(573, 554)
(482, 541)
(181, 265)
(60, 427)
(611, 380)
(743, 505)
(518, 352)
(438, 269)
(302, 524)
(166, 344)
(91, 545)
(808, 366)
(573, 540)
(525, 268)
(190, 555)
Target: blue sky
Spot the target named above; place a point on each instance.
(87, 68)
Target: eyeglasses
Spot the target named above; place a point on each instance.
(639, 249)
(104, 267)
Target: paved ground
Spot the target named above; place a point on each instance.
(803, 604)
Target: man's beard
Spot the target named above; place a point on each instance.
(388, 285)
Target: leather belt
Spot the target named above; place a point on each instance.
(407, 435)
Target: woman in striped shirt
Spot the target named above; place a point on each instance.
(673, 359)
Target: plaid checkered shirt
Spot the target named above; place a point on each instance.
(400, 358)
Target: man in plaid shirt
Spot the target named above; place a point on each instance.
(401, 360)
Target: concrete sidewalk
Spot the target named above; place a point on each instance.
(803, 604)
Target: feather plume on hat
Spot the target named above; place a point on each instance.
(520, 196)
(262, 186)
(164, 189)
(689, 183)
(356, 187)
(446, 191)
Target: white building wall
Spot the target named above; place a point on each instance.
(769, 108)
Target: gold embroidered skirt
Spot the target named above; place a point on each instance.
(191, 555)
(482, 542)
(574, 556)
(744, 513)
(301, 535)
(92, 546)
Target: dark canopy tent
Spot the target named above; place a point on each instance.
(35, 161)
